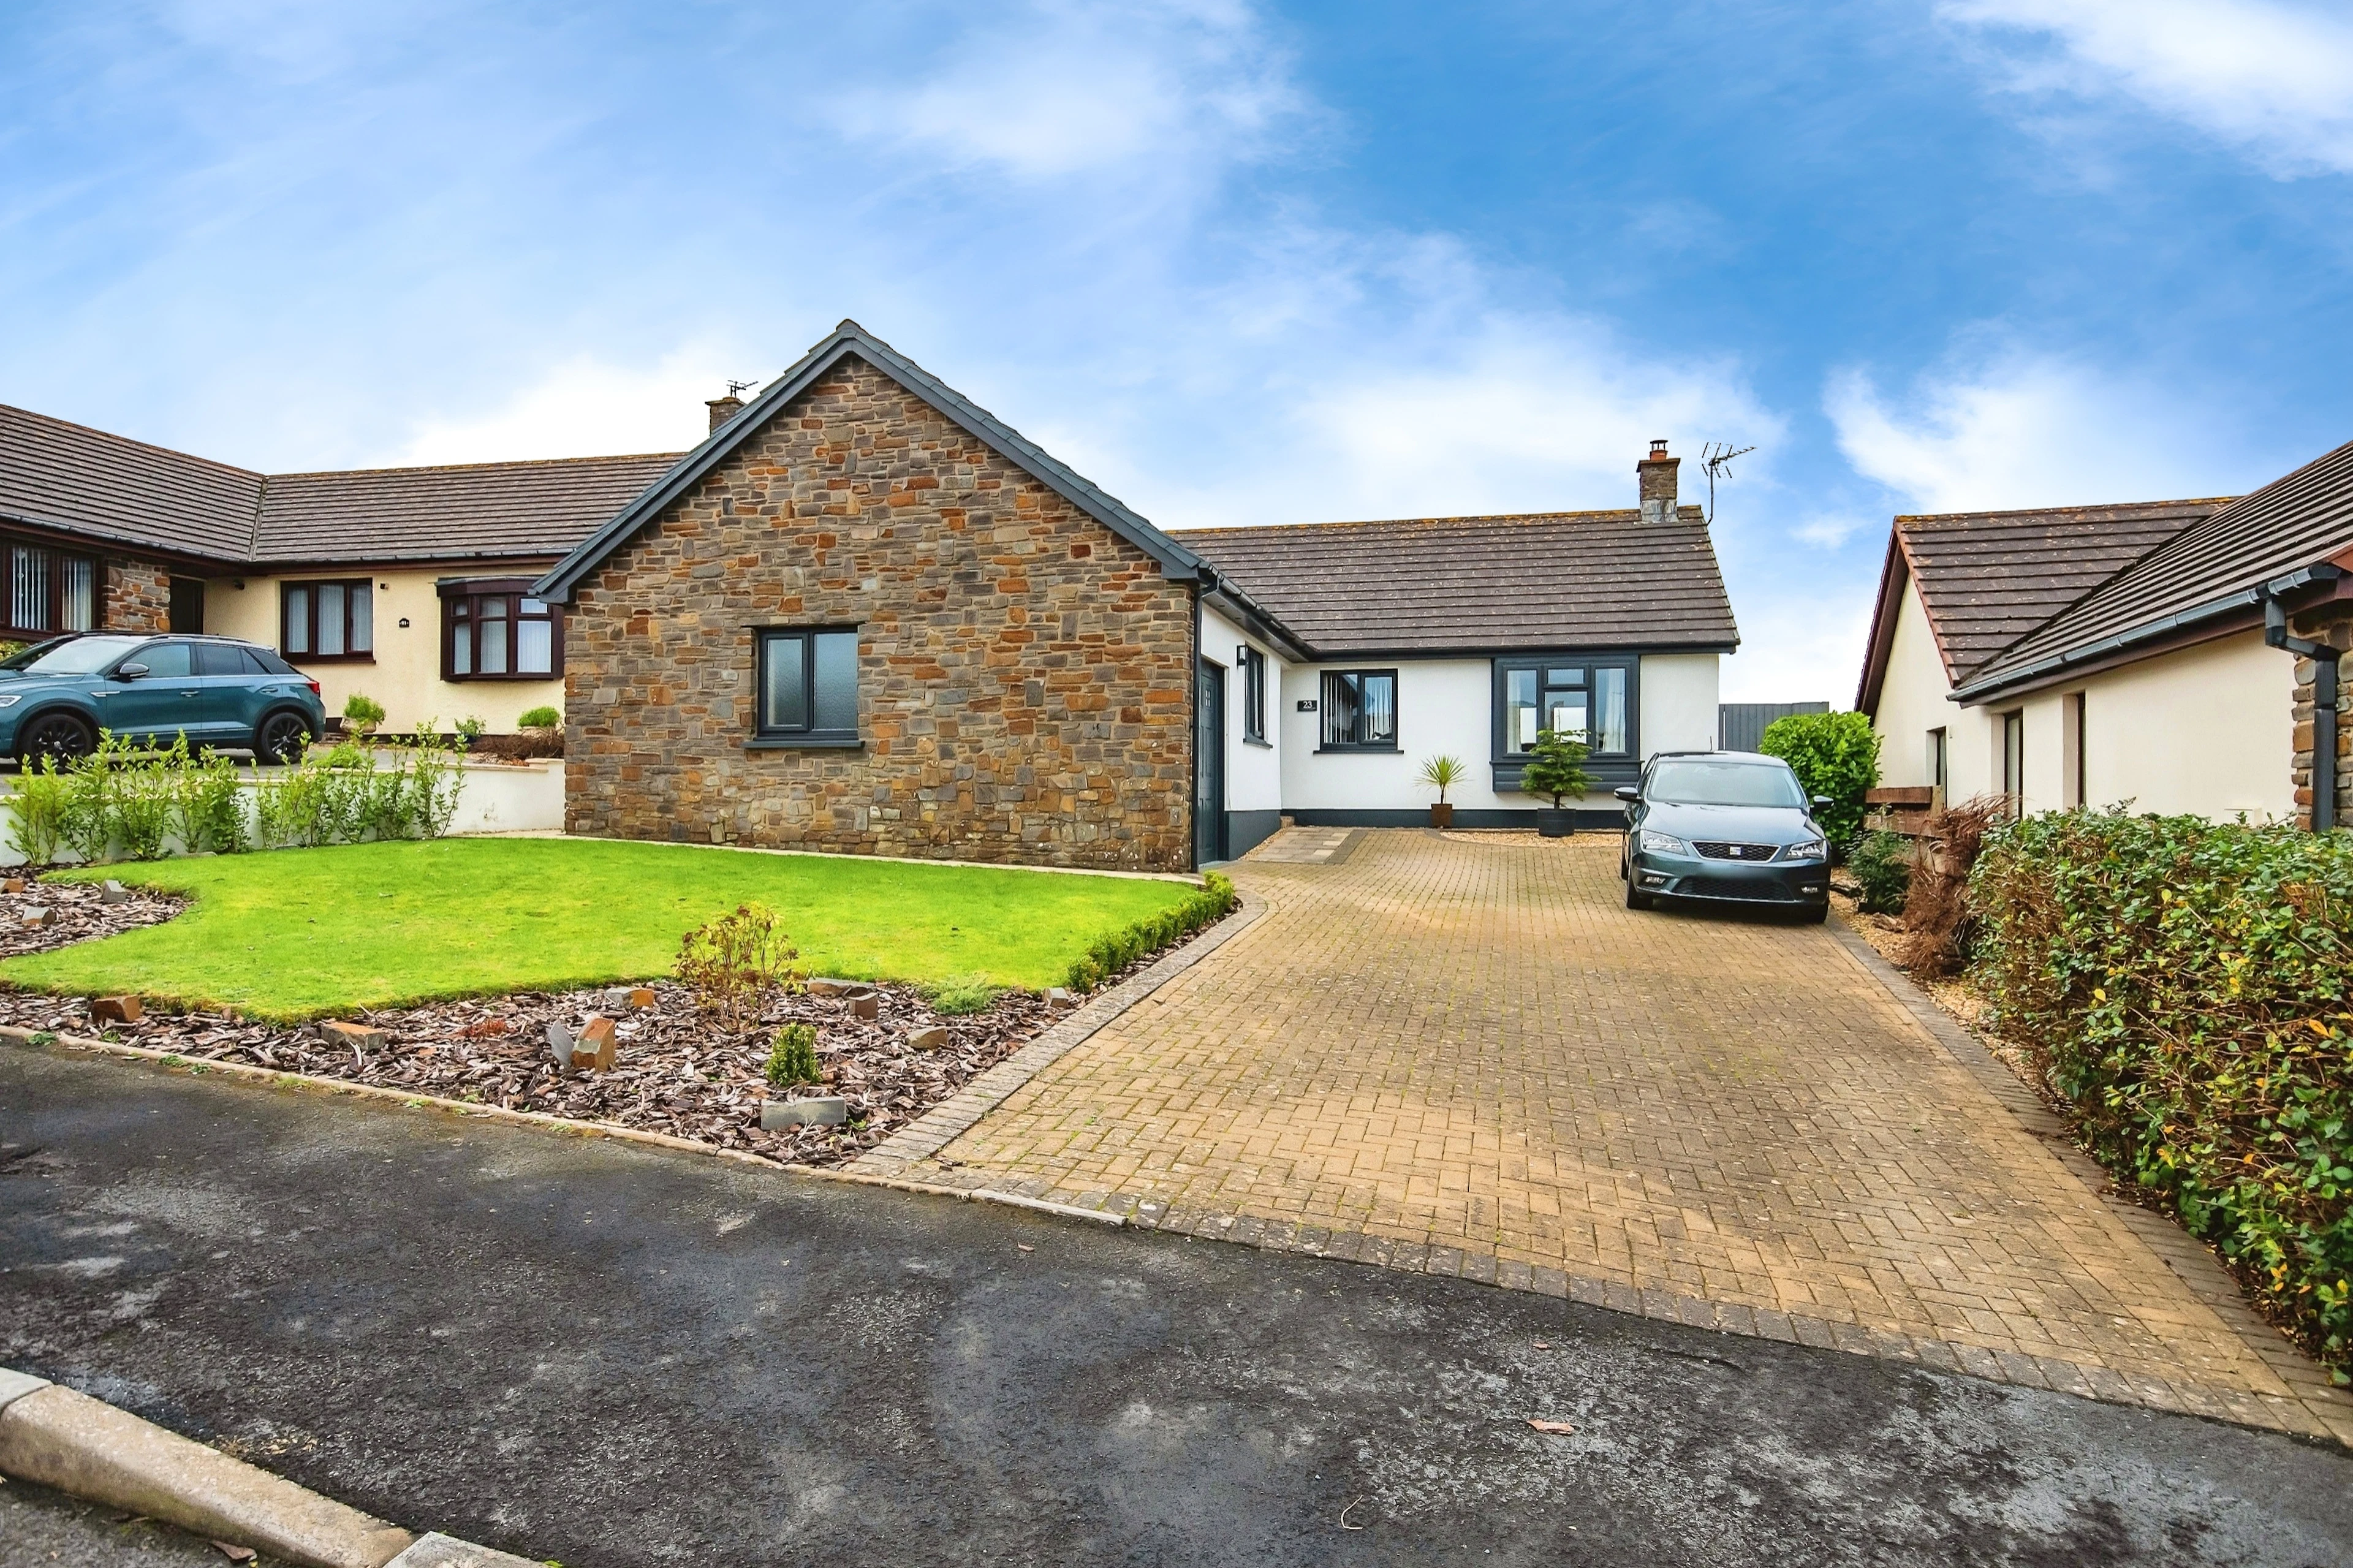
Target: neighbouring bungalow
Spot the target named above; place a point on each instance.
(2163, 653)
(865, 616)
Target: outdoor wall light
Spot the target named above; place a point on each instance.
(403, 623)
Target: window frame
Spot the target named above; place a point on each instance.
(286, 586)
(807, 737)
(1630, 664)
(1253, 695)
(2013, 759)
(1324, 688)
(514, 592)
(1939, 755)
(57, 560)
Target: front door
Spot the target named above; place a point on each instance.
(1210, 764)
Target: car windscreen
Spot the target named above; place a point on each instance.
(1724, 783)
(73, 655)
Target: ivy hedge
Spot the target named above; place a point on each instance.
(1110, 954)
(2184, 987)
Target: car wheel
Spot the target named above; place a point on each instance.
(282, 737)
(1635, 900)
(59, 736)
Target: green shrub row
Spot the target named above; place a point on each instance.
(125, 802)
(1112, 954)
(2184, 985)
(1882, 867)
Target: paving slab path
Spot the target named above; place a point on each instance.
(1460, 1053)
(616, 1356)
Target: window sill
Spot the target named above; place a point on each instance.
(1357, 751)
(1255, 741)
(805, 744)
(300, 659)
(527, 675)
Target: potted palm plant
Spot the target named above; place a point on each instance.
(1441, 774)
(1555, 768)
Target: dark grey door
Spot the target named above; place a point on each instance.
(1208, 765)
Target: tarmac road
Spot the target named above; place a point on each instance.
(605, 1354)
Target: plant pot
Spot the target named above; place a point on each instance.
(1442, 815)
(1552, 824)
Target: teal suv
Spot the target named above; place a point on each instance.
(56, 696)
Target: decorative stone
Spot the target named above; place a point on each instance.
(642, 999)
(592, 1048)
(1061, 998)
(115, 1009)
(930, 1039)
(823, 987)
(36, 917)
(14, 885)
(830, 1111)
(343, 1032)
(113, 893)
(559, 1043)
(869, 1005)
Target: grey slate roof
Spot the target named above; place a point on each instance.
(846, 340)
(1989, 578)
(2220, 566)
(1469, 585)
(473, 510)
(56, 474)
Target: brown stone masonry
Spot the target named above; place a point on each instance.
(2331, 624)
(1024, 673)
(138, 595)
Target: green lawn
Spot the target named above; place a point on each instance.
(298, 933)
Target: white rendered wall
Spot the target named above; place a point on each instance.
(1254, 770)
(1913, 702)
(1678, 702)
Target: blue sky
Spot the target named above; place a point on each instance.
(1238, 263)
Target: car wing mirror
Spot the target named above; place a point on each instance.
(1627, 793)
(129, 671)
(1822, 800)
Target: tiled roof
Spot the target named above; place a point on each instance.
(482, 509)
(2293, 522)
(1989, 578)
(61, 475)
(1544, 580)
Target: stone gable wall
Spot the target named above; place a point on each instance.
(1024, 673)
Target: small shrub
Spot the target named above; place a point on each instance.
(1833, 754)
(1555, 767)
(962, 995)
(735, 963)
(1106, 956)
(540, 717)
(140, 804)
(207, 806)
(469, 729)
(1441, 772)
(87, 821)
(37, 813)
(792, 1060)
(362, 713)
(1882, 865)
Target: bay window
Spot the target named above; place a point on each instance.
(494, 630)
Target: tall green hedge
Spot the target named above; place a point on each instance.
(2186, 987)
(1833, 754)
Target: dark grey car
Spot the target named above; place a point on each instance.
(1725, 826)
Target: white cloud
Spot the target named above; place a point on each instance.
(583, 407)
(2271, 77)
(1828, 530)
(2021, 430)
(1797, 648)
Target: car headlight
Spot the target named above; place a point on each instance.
(1811, 850)
(1664, 842)
(11, 699)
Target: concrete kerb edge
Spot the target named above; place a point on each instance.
(945, 1122)
(57, 1437)
(2329, 1410)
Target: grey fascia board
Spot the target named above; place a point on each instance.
(1221, 595)
(1177, 563)
(1532, 651)
(2059, 663)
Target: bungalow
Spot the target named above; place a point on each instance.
(2163, 653)
(865, 616)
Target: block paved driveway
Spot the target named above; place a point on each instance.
(1462, 1053)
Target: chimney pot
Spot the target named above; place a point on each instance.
(723, 409)
(1655, 476)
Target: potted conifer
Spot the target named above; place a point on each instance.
(1554, 769)
(1441, 774)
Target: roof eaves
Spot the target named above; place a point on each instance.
(1997, 681)
(1176, 560)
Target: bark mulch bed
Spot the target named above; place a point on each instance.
(675, 1070)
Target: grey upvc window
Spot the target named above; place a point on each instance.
(808, 686)
(1587, 698)
(1360, 710)
(1253, 664)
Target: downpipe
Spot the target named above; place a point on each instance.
(2323, 711)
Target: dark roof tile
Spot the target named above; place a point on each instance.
(475, 509)
(57, 474)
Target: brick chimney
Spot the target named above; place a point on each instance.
(1657, 474)
(723, 409)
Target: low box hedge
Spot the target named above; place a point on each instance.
(2184, 987)
(1110, 954)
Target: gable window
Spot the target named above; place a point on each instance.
(1253, 664)
(1586, 700)
(1360, 710)
(808, 682)
(492, 629)
(330, 619)
(50, 591)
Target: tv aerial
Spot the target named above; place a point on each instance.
(1718, 456)
(738, 388)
